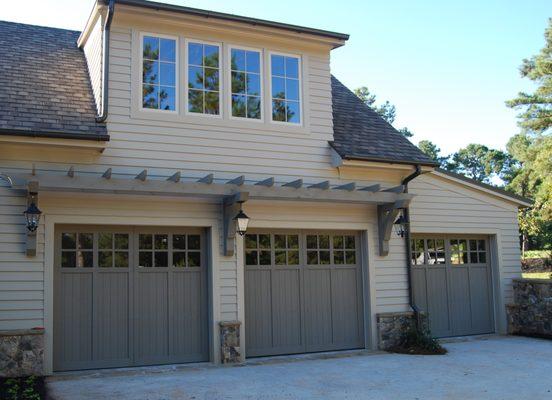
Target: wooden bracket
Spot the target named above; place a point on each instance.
(387, 215)
(230, 207)
(32, 196)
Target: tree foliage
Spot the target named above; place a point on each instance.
(478, 162)
(430, 149)
(536, 107)
(386, 110)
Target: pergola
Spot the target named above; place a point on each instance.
(231, 194)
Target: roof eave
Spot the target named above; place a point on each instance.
(53, 134)
(520, 200)
(341, 37)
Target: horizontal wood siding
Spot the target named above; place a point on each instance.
(21, 277)
(93, 52)
(442, 206)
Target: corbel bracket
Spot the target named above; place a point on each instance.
(387, 215)
(230, 207)
(32, 196)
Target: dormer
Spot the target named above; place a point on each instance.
(191, 66)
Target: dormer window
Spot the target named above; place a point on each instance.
(285, 88)
(245, 78)
(203, 78)
(159, 73)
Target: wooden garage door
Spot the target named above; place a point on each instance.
(452, 282)
(129, 296)
(303, 292)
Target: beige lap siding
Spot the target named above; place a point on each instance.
(21, 277)
(93, 50)
(442, 206)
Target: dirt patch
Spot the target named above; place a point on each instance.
(24, 388)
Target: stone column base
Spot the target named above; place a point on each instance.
(230, 342)
(391, 327)
(21, 353)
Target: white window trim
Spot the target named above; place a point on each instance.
(176, 78)
(229, 80)
(300, 76)
(221, 80)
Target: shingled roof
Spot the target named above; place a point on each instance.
(45, 88)
(361, 134)
(46, 92)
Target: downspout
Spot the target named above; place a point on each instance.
(406, 214)
(105, 62)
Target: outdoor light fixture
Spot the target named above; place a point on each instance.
(242, 220)
(400, 225)
(32, 214)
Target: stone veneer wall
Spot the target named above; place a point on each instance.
(21, 353)
(391, 326)
(531, 312)
(230, 342)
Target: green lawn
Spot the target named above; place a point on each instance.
(538, 253)
(537, 275)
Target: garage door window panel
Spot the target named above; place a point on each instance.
(286, 249)
(459, 251)
(113, 250)
(77, 250)
(186, 251)
(258, 249)
(318, 249)
(344, 250)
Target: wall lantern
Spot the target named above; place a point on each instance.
(242, 220)
(32, 213)
(400, 225)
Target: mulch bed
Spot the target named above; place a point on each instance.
(25, 388)
(418, 351)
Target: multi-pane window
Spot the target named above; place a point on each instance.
(245, 77)
(153, 250)
(417, 251)
(285, 84)
(286, 249)
(113, 250)
(203, 78)
(344, 249)
(186, 250)
(318, 249)
(459, 251)
(159, 73)
(77, 250)
(435, 251)
(258, 249)
(478, 251)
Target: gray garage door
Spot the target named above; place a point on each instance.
(303, 292)
(129, 296)
(452, 282)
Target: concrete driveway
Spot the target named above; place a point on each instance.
(484, 368)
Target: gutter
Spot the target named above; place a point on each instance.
(105, 60)
(406, 214)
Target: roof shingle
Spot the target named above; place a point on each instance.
(45, 88)
(360, 133)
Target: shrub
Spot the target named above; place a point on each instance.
(418, 341)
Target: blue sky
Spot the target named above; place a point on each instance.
(448, 66)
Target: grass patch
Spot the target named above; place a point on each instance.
(25, 388)
(418, 341)
(537, 275)
(538, 254)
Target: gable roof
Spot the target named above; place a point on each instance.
(485, 187)
(46, 91)
(361, 134)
